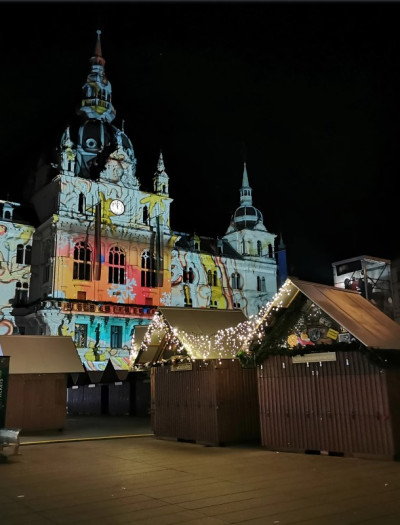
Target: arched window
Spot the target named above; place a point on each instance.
(21, 292)
(243, 246)
(215, 278)
(20, 253)
(259, 248)
(28, 254)
(261, 284)
(188, 275)
(209, 277)
(116, 269)
(82, 261)
(82, 203)
(24, 254)
(145, 215)
(148, 273)
(236, 281)
(270, 252)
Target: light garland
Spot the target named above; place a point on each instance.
(223, 344)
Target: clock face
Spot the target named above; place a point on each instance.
(117, 207)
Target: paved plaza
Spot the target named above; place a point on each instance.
(111, 471)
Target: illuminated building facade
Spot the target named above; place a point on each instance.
(103, 254)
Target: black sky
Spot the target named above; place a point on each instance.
(307, 93)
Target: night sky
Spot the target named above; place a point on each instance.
(307, 94)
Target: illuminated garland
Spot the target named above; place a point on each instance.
(228, 343)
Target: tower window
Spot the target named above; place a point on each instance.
(82, 203)
(261, 284)
(20, 253)
(21, 293)
(148, 273)
(145, 215)
(116, 269)
(270, 253)
(236, 281)
(259, 248)
(209, 277)
(82, 261)
(24, 254)
(215, 278)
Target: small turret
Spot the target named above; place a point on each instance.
(160, 179)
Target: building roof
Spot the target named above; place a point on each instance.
(357, 315)
(40, 354)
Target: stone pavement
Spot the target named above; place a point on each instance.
(91, 473)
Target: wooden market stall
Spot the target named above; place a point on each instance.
(38, 376)
(329, 374)
(199, 391)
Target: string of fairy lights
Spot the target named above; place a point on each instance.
(224, 344)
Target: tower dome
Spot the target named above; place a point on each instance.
(247, 217)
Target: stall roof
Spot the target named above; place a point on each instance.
(41, 354)
(201, 321)
(357, 315)
(191, 322)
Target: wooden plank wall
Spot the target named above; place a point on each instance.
(338, 408)
(215, 403)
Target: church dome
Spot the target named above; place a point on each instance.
(247, 217)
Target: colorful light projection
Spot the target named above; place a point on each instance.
(15, 247)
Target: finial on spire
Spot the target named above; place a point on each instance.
(97, 50)
(245, 182)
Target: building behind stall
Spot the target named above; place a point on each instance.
(98, 255)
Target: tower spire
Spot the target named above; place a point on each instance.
(245, 190)
(96, 92)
